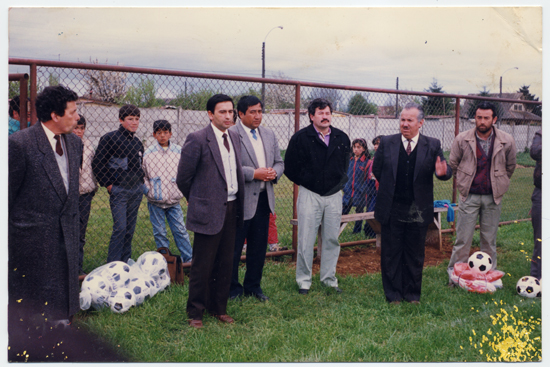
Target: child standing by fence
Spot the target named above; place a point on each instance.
(355, 190)
(160, 164)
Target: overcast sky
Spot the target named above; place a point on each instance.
(464, 48)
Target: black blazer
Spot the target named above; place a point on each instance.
(385, 170)
(43, 225)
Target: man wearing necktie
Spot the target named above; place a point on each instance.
(262, 167)
(43, 225)
(210, 177)
(317, 161)
(404, 165)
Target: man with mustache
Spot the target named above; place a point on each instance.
(404, 165)
(483, 160)
(317, 160)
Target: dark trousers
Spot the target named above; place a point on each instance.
(124, 204)
(402, 259)
(210, 275)
(255, 231)
(84, 206)
(536, 220)
(346, 208)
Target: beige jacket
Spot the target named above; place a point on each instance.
(463, 161)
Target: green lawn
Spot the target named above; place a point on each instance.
(357, 325)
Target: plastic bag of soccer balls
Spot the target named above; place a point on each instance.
(529, 287)
(119, 286)
(477, 274)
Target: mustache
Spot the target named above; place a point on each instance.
(323, 120)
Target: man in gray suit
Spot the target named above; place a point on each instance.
(262, 167)
(210, 177)
(43, 225)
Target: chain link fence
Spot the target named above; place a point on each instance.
(180, 98)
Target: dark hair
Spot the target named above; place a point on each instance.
(14, 105)
(53, 99)
(217, 98)
(320, 103)
(81, 121)
(247, 101)
(128, 110)
(362, 142)
(486, 105)
(377, 140)
(161, 125)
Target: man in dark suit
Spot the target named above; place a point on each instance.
(262, 167)
(404, 164)
(43, 224)
(210, 177)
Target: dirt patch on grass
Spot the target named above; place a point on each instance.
(360, 260)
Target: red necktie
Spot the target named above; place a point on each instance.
(408, 150)
(58, 148)
(225, 142)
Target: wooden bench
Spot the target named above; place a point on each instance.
(433, 237)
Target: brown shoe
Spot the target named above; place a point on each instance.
(225, 318)
(197, 324)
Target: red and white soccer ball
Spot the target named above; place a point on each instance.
(480, 261)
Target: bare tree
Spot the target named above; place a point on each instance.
(108, 86)
(279, 96)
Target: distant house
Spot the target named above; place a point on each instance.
(512, 113)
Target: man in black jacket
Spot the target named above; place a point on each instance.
(117, 165)
(404, 165)
(317, 160)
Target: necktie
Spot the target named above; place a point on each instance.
(253, 132)
(58, 148)
(225, 142)
(408, 150)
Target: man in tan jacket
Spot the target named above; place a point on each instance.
(482, 159)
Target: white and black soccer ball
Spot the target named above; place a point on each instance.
(141, 289)
(118, 273)
(85, 298)
(99, 289)
(529, 287)
(121, 300)
(152, 263)
(480, 261)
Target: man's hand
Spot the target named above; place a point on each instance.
(440, 167)
(109, 188)
(264, 174)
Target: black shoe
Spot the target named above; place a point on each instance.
(337, 290)
(260, 296)
(235, 298)
(303, 291)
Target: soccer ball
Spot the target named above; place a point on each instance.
(141, 289)
(529, 287)
(121, 300)
(480, 261)
(99, 289)
(118, 273)
(85, 299)
(153, 264)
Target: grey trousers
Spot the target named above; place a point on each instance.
(489, 216)
(315, 210)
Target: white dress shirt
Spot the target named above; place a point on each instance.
(229, 163)
(258, 149)
(414, 141)
(62, 162)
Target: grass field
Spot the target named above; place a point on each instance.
(357, 325)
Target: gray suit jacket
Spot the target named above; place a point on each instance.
(43, 229)
(201, 179)
(250, 163)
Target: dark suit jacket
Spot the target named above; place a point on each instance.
(43, 229)
(385, 170)
(250, 163)
(201, 179)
